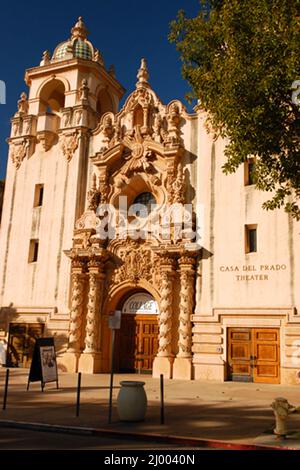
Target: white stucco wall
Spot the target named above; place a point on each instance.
(229, 205)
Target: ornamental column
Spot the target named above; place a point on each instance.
(90, 360)
(76, 315)
(183, 361)
(163, 362)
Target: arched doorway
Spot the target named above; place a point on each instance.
(138, 340)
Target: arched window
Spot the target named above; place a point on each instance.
(52, 97)
(52, 100)
(147, 200)
(104, 103)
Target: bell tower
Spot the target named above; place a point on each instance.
(48, 172)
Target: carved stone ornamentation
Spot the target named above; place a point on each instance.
(16, 127)
(68, 144)
(98, 57)
(169, 182)
(23, 104)
(82, 239)
(95, 299)
(78, 117)
(186, 306)
(141, 96)
(46, 58)
(93, 196)
(84, 91)
(77, 263)
(173, 119)
(18, 152)
(104, 189)
(27, 125)
(159, 132)
(96, 284)
(46, 138)
(138, 160)
(179, 186)
(175, 184)
(117, 137)
(135, 150)
(92, 317)
(76, 315)
(87, 221)
(108, 130)
(143, 74)
(136, 263)
(67, 118)
(165, 316)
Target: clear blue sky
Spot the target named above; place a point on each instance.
(124, 32)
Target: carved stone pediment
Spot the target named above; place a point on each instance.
(142, 122)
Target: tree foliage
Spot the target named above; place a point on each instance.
(241, 58)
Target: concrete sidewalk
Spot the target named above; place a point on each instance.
(238, 413)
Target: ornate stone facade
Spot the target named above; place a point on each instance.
(140, 149)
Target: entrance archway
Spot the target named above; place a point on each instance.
(139, 333)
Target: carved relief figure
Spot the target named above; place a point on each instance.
(93, 196)
(84, 90)
(108, 129)
(173, 119)
(23, 104)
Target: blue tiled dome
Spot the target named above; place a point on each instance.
(82, 49)
(78, 46)
(61, 50)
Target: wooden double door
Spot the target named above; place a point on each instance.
(138, 343)
(254, 355)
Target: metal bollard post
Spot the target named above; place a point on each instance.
(5, 389)
(78, 394)
(162, 409)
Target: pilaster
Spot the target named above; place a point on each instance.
(183, 361)
(90, 360)
(71, 358)
(163, 362)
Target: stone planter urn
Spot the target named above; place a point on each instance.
(132, 401)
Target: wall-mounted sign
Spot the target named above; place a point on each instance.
(140, 304)
(253, 272)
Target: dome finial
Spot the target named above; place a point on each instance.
(143, 74)
(79, 30)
